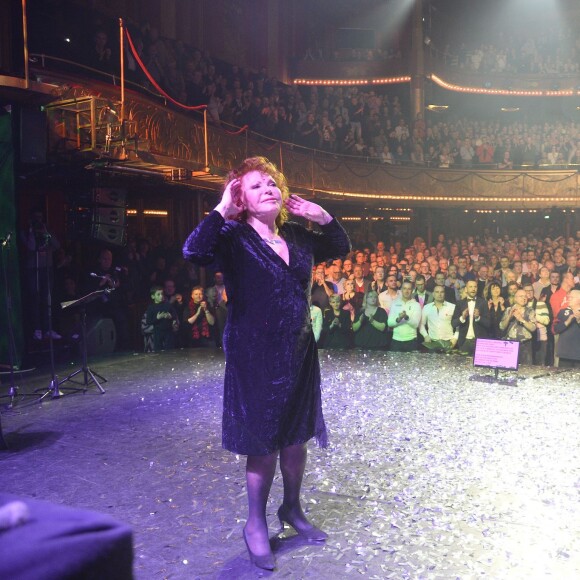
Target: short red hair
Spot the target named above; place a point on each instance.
(262, 165)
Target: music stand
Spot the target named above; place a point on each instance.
(87, 372)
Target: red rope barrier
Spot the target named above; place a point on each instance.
(154, 82)
(244, 128)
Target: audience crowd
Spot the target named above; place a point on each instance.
(378, 297)
(430, 298)
(553, 51)
(367, 122)
(370, 122)
(353, 54)
(442, 298)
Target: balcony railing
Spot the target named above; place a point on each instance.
(201, 152)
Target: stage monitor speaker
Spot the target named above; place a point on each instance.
(114, 235)
(110, 196)
(33, 135)
(111, 216)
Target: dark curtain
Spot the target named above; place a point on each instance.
(9, 252)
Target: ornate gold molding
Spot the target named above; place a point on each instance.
(179, 138)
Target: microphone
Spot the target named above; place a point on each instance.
(5, 241)
(94, 275)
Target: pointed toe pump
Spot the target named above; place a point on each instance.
(306, 530)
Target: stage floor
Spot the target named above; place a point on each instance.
(434, 469)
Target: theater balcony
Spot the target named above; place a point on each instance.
(350, 69)
(445, 72)
(162, 144)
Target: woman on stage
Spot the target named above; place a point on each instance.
(272, 402)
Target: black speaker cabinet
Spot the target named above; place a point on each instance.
(113, 216)
(115, 235)
(109, 196)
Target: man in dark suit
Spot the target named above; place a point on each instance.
(482, 280)
(421, 295)
(471, 318)
(449, 292)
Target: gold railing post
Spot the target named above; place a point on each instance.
(93, 124)
(281, 158)
(205, 140)
(312, 177)
(122, 57)
(25, 39)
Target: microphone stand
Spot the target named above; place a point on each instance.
(53, 388)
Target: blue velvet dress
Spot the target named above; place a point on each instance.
(272, 378)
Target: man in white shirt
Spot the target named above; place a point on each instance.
(404, 319)
(392, 292)
(436, 327)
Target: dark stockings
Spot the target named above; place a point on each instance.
(260, 471)
(292, 465)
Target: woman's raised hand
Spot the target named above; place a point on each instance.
(230, 204)
(308, 210)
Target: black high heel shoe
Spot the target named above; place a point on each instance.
(265, 562)
(310, 533)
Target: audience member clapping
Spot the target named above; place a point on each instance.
(337, 325)
(404, 318)
(567, 328)
(370, 324)
(199, 319)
